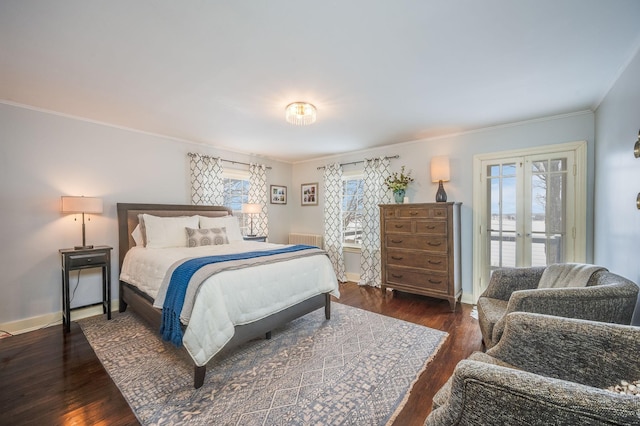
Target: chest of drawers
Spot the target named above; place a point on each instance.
(420, 249)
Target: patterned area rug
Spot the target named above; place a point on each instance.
(355, 369)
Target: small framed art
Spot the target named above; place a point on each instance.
(278, 194)
(309, 194)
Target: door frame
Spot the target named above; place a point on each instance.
(579, 206)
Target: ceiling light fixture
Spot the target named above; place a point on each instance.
(300, 113)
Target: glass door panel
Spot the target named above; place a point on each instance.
(501, 226)
(546, 226)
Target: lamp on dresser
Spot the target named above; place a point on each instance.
(84, 205)
(440, 173)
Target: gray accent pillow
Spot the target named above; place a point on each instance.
(197, 237)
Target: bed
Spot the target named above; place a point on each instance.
(233, 305)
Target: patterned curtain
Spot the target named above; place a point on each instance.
(374, 192)
(333, 218)
(258, 194)
(207, 186)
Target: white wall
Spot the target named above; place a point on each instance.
(617, 221)
(460, 149)
(44, 156)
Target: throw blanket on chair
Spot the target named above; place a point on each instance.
(181, 280)
(561, 275)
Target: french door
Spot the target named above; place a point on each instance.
(527, 210)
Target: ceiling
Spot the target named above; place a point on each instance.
(379, 72)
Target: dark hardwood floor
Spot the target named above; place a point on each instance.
(49, 377)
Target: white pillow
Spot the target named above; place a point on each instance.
(163, 232)
(137, 236)
(229, 222)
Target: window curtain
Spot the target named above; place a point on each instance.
(258, 194)
(374, 192)
(207, 186)
(333, 218)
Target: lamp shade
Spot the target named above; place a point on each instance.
(440, 169)
(251, 208)
(81, 205)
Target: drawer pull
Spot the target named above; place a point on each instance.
(396, 276)
(397, 257)
(399, 226)
(396, 241)
(431, 227)
(434, 244)
(435, 281)
(435, 263)
(413, 213)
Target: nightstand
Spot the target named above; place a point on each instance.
(73, 260)
(258, 238)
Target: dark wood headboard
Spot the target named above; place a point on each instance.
(128, 219)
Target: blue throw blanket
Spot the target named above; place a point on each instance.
(170, 328)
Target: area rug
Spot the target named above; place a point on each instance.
(355, 369)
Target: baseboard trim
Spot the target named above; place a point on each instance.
(48, 320)
(467, 298)
(352, 277)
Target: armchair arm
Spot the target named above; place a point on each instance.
(613, 303)
(505, 281)
(494, 395)
(588, 352)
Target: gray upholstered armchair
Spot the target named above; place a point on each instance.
(545, 370)
(604, 296)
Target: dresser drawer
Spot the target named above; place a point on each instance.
(433, 227)
(415, 259)
(87, 259)
(412, 212)
(396, 226)
(423, 212)
(430, 243)
(417, 279)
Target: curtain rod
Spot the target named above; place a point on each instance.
(191, 154)
(389, 157)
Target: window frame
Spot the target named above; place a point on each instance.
(576, 208)
(235, 174)
(346, 176)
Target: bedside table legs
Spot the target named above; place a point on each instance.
(77, 260)
(106, 291)
(66, 310)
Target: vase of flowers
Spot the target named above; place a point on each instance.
(398, 183)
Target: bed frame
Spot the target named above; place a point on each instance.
(142, 304)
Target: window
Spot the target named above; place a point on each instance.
(236, 193)
(352, 188)
(236, 189)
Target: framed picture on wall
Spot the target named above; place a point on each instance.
(309, 194)
(278, 194)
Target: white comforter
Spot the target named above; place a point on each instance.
(235, 297)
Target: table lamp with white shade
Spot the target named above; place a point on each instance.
(251, 209)
(84, 205)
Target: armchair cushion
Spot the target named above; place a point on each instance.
(545, 370)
